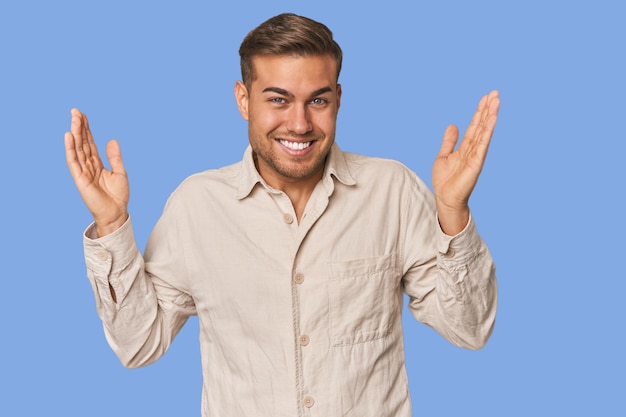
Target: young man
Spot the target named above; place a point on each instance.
(295, 259)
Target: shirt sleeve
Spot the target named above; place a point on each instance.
(146, 314)
(450, 280)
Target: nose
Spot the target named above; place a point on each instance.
(299, 121)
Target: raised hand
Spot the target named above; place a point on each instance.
(455, 172)
(105, 192)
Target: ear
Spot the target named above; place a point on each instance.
(338, 96)
(242, 98)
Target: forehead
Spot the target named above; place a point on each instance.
(290, 71)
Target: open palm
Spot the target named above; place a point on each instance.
(455, 172)
(105, 192)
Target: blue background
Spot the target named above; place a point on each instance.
(158, 76)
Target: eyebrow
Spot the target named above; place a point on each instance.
(284, 92)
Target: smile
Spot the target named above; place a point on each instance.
(296, 146)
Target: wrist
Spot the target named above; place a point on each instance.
(453, 221)
(104, 228)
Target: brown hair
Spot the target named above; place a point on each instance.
(287, 34)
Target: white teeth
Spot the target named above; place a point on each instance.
(295, 145)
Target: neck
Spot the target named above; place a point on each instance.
(299, 196)
(298, 190)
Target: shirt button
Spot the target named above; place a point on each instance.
(298, 278)
(304, 340)
(287, 218)
(102, 255)
(308, 401)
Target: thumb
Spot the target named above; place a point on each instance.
(450, 137)
(114, 154)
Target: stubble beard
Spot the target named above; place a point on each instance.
(297, 172)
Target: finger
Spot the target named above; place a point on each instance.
(71, 157)
(91, 150)
(478, 130)
(114, 154)
(86, 150)
(492, 106)
(494, 103)
(488, 124)
(477, 119)
(485, 131)
(450, 138)
(77, 134)
(85, 133)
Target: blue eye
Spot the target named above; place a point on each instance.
(277, 100)
(319, 101)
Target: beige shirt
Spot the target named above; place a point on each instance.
(295, 319)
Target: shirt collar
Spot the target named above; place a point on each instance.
(336, 167)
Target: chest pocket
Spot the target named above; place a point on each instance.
(365, 301)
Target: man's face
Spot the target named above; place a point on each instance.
(291, 108)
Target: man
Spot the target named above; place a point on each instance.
(295, 259)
